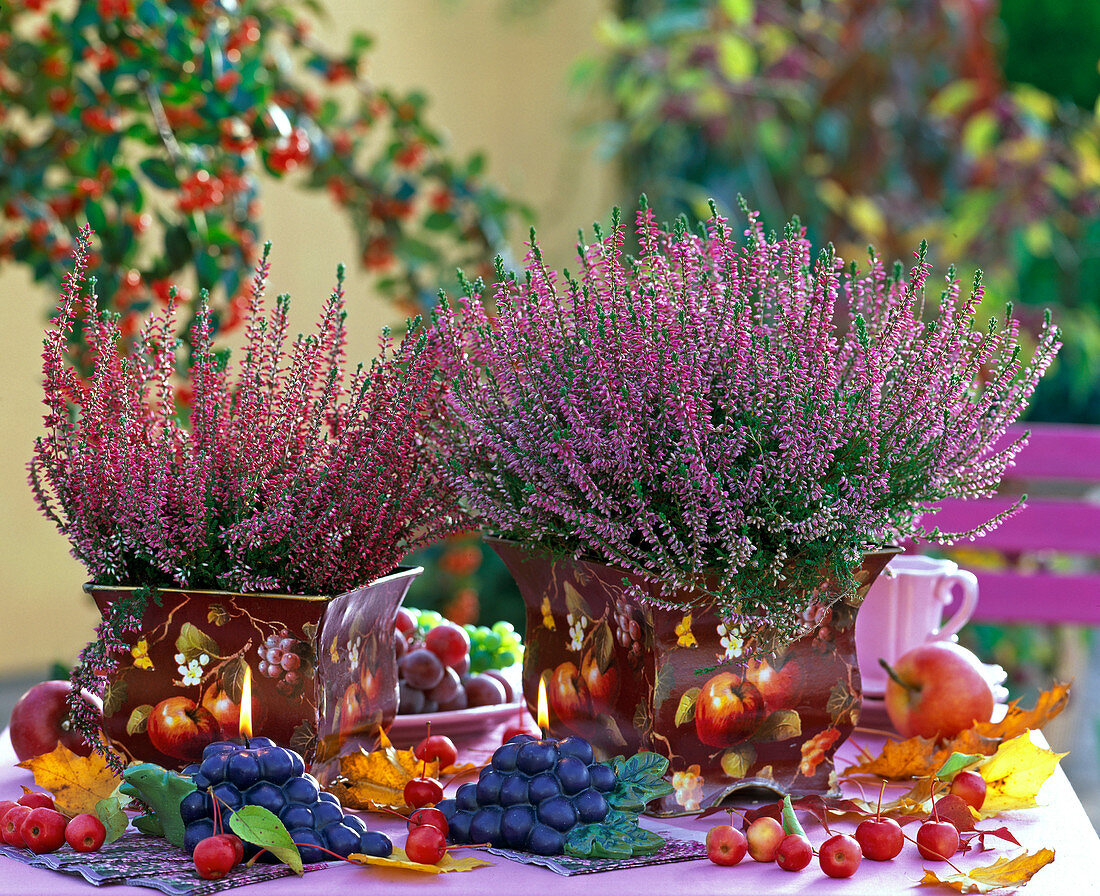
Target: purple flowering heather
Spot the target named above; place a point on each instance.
(731, 419)
(293, 475)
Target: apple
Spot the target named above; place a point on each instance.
(970, 787)
(794, 853)
(34, 800)
(567, 694)
(840, 856)
(937, 841)
(437, 747)
(40, 721)
(228, 713)
(764, 837)
(726, 845)
(43, 830)
(727, 710)
(881, 839)
(780, 688)
(602, 687)
(85, 833)
(352, 710)
(937, 690)
(13, 825)
(178, 727)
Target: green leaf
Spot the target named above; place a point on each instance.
(162, 791)
(109, 811)
(617, 837)
(260, 826)
(640, 780)
(233, 674)
(193, 642)
(139, 719)
(791, 824)
(685, 711)
(783, 724)
(955, 763)
(114, 697)
(159, 172)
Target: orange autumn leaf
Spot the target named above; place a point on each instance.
(76, 782)
(399, 860)
(376, 781)
(1017, 721)
(1005, 872)
(909, 758)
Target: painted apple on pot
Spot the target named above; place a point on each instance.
(727, 710)
(780, 687)
(228, 713)
(181, 729)
(567, 694)
(602, 687)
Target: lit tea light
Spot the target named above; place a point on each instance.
(245, 724)
(543, 709)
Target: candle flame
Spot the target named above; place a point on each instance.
(544, 712)
(246, 704)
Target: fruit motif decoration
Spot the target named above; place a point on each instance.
(265, 775)
(549, 797)
(445, 667)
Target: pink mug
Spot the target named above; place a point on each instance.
(904, 609)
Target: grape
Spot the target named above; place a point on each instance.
(227, 796)
(421, 668)
(196, 831)
(243, 770)
(194, 806)
(459, 830)
(287, 660)
(481, 690)
(514, 791)
(545, 841)
(326, 813)
(488, 786)
(458, 702)
(267, 795)
(485, 826)
(375, 843)
(576, 746)
(410, 700)
(603, 777)
(558, 813)
(573, 775)
(406, 620)
(448, 807)
(516, 824)
(591, 806)
(296, 815)
(355, 823)
(542, 787)
(448, 642)
(466, 797)
(218, 748)
(309, 845)
(504, 759)
(536, 756)
(277, 765)
(302, 790)
(448, 688)
(213, 768)
(341, 839)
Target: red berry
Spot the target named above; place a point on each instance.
(13, 825)
(43, 830)
(85, 833)
(215, 857)
(37, 801)
(430, 816)
(423, 792)
(439, 748)
(425, 844)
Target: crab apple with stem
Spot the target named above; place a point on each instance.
(436, 747)
(422, 791)
(43, 830)
(937, 840)
(426, 844)
(726, 845)
(880, 838)
(13, 825)
(429, 815)
(34, 800)
(215, 857)
(795, 853)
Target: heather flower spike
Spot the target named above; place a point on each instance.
(291, 474)
(729, 418)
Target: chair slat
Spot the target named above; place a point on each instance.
(1058, 452)
(1072, 527)
(1038, 598)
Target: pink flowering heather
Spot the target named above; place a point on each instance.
(291, 475)
(731, 419)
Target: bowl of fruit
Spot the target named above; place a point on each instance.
(465, 679)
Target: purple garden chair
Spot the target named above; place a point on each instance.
(1060, 470)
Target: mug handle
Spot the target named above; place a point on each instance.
(969, 583)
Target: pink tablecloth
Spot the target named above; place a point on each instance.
(1061, 824)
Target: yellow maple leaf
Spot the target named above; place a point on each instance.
(140, 652)
(684, 637)
(400, 860)
(910, 758)
(1017, 721)
(76, 782)
(1014, 774)
(1005, 872)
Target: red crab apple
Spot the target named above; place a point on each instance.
(40, 721)
(780, 687)
(437, 747)
(602, 687)
(179, 728)
(43, 830)
(840, 856)
(970, 786)
(85, 833)
(567, 694)
(881, 839)
(764, 836)
(937, 841)
(937, 690)
(794, 853)
(727, 710)
(726, 845)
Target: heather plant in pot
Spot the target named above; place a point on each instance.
(692, 459)
(254, 527)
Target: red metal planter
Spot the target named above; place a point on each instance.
(331, 687)
(624, 676)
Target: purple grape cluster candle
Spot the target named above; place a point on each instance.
(531, 795)
(256, 772)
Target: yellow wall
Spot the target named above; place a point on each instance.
(496, 82)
